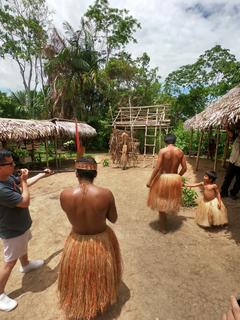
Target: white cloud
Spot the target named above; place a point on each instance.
(174, 32)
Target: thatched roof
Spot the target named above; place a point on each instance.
(225, 110)
(68, 128)
(21, 129)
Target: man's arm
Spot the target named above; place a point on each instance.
(156, 170)
(46, 173)
(112, 211)
(24, 203)
(66, 199)
(183, 165)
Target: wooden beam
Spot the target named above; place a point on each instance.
(225, 152)
(199, 149)
(46, 149)
(216, 151)
(190, 144)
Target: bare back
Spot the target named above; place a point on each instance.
(87, 208)
(171, 158)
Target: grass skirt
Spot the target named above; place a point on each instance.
(208, 213)
(90, 274)
(165, 193)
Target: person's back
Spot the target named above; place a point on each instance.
(171, 159)
(91, 267)
(87, 208)
(165, 182)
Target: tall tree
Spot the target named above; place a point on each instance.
(71, 70)
(193, 86)
(113, 28)
(23, 34)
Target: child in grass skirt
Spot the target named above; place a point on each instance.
(211, 210)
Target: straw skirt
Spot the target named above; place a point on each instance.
(90, 274)
(165, 193)
(208, 214)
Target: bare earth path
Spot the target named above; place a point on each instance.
(187, 274)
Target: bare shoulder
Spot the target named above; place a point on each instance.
(105, 192)
(67, 192)
(179, 151)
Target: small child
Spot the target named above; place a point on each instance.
(210, 210)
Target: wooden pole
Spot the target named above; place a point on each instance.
(216, 151)
(46, 148)
(190, 144)
(55, 150)
(199, 149)
(225, 153)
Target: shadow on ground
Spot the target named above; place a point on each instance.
(114, 311)
(38, 280)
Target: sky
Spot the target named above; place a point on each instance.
(173, 33)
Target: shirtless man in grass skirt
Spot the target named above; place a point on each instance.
(90, 269)
(165, 182)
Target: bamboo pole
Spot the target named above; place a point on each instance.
(55, 151)
(225, 153)
(190, 144)
(199, 148)
(46, 149)
(216, 151)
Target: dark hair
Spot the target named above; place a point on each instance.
(4, 154)
(170, 138)
(211, 175)
(87, 174)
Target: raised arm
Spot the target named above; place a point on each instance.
(112, 211)
(25, 201)
(194, 185)
(183, 165)
(156, 170)
(33, 180)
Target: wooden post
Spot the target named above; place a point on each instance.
(190, 144)
(216, 151)
(199, 148)
(225, 153)
(46, 149)
(55, 150)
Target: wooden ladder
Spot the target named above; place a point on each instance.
(149, 138)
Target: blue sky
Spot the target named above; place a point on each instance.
(174, 32)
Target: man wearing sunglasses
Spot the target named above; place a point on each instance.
(15, 222)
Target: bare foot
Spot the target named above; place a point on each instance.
(162, 230)
(162, 222)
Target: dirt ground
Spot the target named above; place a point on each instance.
(187, 274)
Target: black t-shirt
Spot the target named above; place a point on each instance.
(14, 221)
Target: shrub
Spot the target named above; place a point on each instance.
(188, 196)
(105, 163)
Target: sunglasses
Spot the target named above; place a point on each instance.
(7, 164)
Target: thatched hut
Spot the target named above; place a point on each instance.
(19, 130)
(218, 114)
(67, 128)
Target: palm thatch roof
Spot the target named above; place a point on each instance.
(225, 110)
(68, 128)
(21, 129)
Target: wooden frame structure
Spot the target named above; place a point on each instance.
(152, 119)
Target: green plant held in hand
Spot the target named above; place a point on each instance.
(105, 163)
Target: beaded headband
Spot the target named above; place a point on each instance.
(85, 166)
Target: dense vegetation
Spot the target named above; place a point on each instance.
(87, 73)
